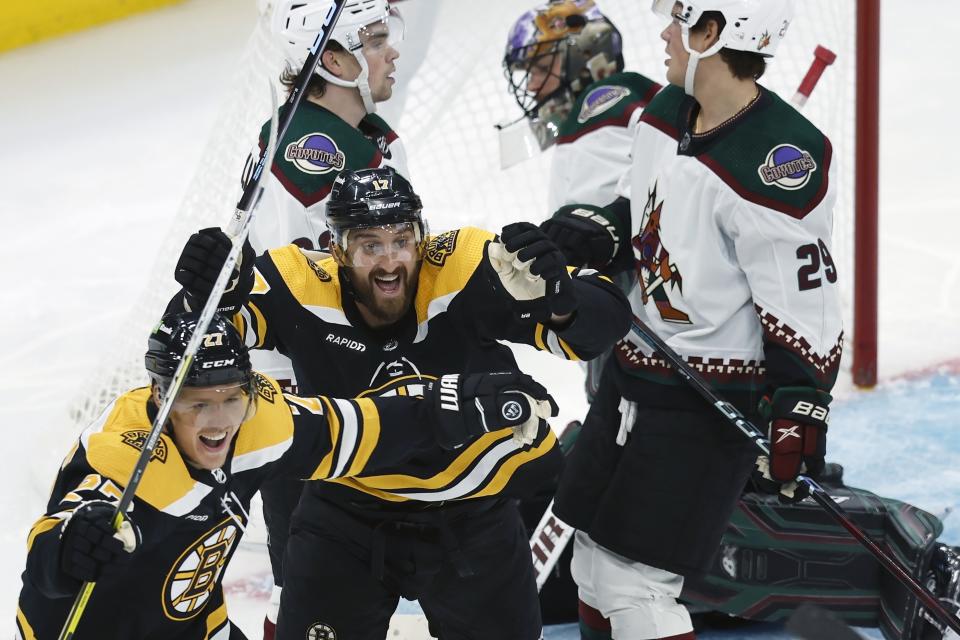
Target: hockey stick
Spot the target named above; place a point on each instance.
(552, 534)
(547, 543)
(760, 441)
(238, 228)
(241, 221)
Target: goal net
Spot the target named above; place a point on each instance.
(451, 93)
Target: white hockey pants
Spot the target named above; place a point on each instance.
(640, 601)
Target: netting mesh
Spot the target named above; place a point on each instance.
(452, 92)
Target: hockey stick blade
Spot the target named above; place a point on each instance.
(547, 543)
(821, 497)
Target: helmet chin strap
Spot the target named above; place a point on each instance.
(694, 60)
(361, 84)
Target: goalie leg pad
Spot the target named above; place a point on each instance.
(774, 557)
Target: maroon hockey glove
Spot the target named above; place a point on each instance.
(471, 405)
(90, 548)
(798, 419)
(200, 263)
(584, 235)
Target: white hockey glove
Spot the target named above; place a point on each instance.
(532, 271)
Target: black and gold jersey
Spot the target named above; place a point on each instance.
(189, 520)
(302, 305)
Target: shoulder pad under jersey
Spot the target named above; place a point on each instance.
(316, 147)
(449, 261)
(312, 277)
(608, 102)
(775, 158)
(114, 448)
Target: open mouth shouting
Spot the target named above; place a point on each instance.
(214, 442)
(388, 284)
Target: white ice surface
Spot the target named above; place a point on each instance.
(102, 130)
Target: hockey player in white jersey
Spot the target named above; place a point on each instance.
(336, 128)
(728, 227)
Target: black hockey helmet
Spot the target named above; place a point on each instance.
(366, 198)
(372, 197)
(222, 359)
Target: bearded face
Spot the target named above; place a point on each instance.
(383, 264)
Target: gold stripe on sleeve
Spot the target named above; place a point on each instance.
(215, 620)
(261, 324)
(505, 472)
(567, 350)
(447, 476)
(538, 332)
(333, 422)
(369, 435)
(25, 627)
(42, 526)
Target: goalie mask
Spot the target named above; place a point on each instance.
(374, 199)
(554, 52)
(753, 26)
(363, 26)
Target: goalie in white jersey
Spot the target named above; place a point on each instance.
(729, 217)
(565, 68)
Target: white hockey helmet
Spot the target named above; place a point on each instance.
(754, 26)
(296, 24)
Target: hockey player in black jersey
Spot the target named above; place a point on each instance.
(229, 429)
(385, 315)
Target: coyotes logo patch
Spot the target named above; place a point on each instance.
(654, 269)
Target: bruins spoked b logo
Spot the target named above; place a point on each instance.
(197, 572)
(320, 631)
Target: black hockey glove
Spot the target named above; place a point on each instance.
(533, 272)
(90, 549)
(797, 418)
(474, 404)
(584, 235)
(200, 264)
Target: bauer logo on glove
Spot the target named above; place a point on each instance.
(798, 419)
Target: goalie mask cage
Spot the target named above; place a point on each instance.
(451, 91)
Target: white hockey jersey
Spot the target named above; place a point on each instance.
(594, 142)
(317, 146)
(731, 236)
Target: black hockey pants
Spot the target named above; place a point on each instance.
(468, 565)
